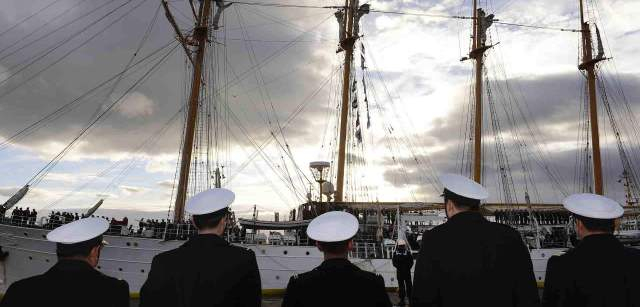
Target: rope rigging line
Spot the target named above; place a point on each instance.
(39, 176)
(265, 96)
(627, 163)
(29, 17)
(539, 153)
(537, 27)
(64, 55)
(284, 5)
(62, 42)
(141, 44)
(150, 141)
(44, 25)
(57, 113)
(417, 153)
(268, 59)
(406, 13)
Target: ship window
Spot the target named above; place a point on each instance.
(99, 267)
(142, 271)
(543, 255)
(44, 236)
(128, 243)
(25, 234)
(277, 277)
(135, 244)
(120, 269)
(30, 258)
(285, 252)
(263, 251)
(47, 260)
(307, 253)
(391, 278)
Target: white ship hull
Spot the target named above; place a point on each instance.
(129, 258)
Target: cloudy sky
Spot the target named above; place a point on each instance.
(283, 75)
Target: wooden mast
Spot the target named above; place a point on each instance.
(200, 34)
(346, 44)
(589, 64)
(477, 53)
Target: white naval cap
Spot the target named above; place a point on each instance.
(464, 186)
(593, 206)
(210, 201)
(79, 231)
(334, 226)
(401, 242)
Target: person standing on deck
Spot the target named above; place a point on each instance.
(73, 281)
(206, 270)
(599, 271)
(403, 262)
(469, 261)
(336, 282)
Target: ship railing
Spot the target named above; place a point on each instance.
(166, 232)
(371, 250)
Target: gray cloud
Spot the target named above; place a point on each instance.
(157, 100)
(552, 101)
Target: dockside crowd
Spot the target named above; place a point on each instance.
(467, 261)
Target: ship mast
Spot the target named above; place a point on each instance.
(200, 34)
(589, 65)
(347, 42)
(481, 24)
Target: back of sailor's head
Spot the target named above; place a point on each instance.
(595, 212)
(78, 238)
(208, 208)
(333, 231)
(462, 191)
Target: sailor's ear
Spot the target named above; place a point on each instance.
(94, 255)
(350, 245)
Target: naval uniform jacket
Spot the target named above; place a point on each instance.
(69, 283)
(336, 283)
(469, 261)
(204, 271)
(600, 271)
(403, 262)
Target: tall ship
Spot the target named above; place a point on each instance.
(499, 142)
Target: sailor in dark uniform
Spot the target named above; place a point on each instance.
(73, 280)
(600, 271)
(206, 270)
(403, 262)
(469, 261)
(336, 282)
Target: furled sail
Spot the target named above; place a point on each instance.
(600, 47)
(16, 197)
(93, 209)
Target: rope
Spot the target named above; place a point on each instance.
(28, 17)
(37, 178)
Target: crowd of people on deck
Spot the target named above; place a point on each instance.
(150, 228)
(57, 219)
(23, 217)
(522, 217)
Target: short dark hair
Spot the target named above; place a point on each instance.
(592, 224)
(77, 249)
(209, 220)
(339, 247)
(461, 202)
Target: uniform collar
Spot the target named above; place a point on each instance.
(71, 265)
(467, 216)
(599, 239)
(336, 263)
(207, 239)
